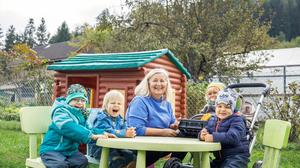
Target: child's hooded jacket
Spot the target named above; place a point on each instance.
(231, 133)
(67, 130)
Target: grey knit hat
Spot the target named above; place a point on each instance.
(228, 97)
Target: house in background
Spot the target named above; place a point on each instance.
(57, 51)
(282, 68)
(121, 71)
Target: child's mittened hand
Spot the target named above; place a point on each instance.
(130, 132)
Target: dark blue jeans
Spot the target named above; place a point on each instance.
(233, 161)
(58, 160)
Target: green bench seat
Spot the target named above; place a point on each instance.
(276, 135)
(34, 122)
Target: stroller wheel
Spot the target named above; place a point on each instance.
(173, 162)
(257, 164)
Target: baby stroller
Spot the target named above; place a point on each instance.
(191, 127)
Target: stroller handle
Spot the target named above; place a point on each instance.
(265, 92)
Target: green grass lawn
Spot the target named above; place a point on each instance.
(14, 150)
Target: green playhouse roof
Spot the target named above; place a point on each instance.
(84, 62)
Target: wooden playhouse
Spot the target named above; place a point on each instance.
(122, 71)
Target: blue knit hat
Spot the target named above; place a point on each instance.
(228, 97)
(76, 91)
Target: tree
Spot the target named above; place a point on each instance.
(41, 34)
(79, 30)
(285, 16)
(5, 65)
(100, 38)
(10, 39)
(28, 36)
(62, 34)
(1, 35)
(20, 63)
(211, 38)
(105, 20)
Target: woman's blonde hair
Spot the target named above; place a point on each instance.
(143, 88)
(112, 94)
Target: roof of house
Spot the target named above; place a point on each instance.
(279, 57)
(56, 51)
(115, 61)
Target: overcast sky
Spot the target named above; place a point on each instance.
(74, 12)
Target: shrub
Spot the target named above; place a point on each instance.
(286, 107)
(10, 112)
(195, 97)
(9, 116)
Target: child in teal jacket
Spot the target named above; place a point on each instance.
(67, 130)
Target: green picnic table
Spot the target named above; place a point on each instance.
(199, 149)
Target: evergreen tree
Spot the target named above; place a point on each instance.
(285, 17)
(1, 35)
(28, 36)
(19, 38)
(62, 34)
(41, 34)
(10, 39)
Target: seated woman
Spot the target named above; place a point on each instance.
(150, 112)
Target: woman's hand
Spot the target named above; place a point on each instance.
(167, 132)
(130, 132)
(175, 125)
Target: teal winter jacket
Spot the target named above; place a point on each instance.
(67, 129)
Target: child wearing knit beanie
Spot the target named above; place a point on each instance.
(229, 129)
(67, 130)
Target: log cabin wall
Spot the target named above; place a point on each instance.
(60, 85)
(120, 80)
